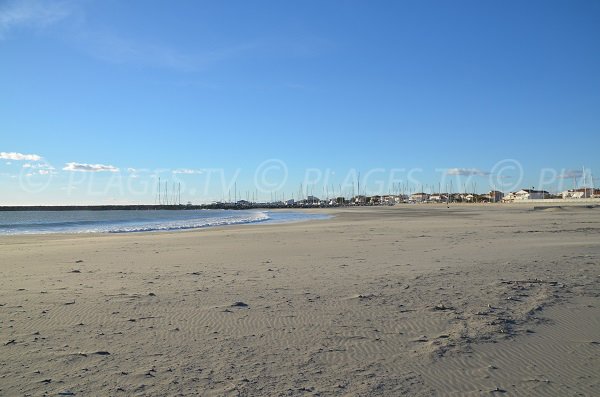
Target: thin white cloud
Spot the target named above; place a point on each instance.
(187, 171)
(89, 167)
(111, 47)
(133, 172)
(32, 14)
(19, 156)
(466, 172)
(42, 168)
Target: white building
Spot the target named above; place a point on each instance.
(419, 197)
(439, 197)
(529, 194)
(391, 199)
(580, 193)
(510, 197)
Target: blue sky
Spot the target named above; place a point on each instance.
(100, 98)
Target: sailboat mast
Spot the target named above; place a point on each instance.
(583, 176)
(358, 183)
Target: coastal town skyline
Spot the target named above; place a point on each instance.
(99, 102)
(271, 178)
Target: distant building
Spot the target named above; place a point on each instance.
(464, 197)
(393, 199)
(530, 194)
(373, 200)
(388, 200)
(243, 203)
(313, 200)
(419, 197)
(341, 201)
(359, 200)
(495, 196)
(439, 197)
(580, 193)
(509, 198)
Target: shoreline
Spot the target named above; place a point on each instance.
(366, 302)
(124, 225)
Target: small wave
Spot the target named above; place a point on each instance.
(259, 217)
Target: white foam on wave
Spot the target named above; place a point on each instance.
(192, 224)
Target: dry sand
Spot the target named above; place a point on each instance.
(415, 300)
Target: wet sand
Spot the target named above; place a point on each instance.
(420, 300)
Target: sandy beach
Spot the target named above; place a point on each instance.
(408, 300)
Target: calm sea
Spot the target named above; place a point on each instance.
(127, 221)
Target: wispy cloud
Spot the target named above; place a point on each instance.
(187, 171)
(106, 44)
(112, 47)
(19, 156)
(89, 167)
(466, 172)
(31, 14)
(45, 166)
(40, 172)
(41, 168)
(135, 172)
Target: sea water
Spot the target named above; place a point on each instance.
(127, 221)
